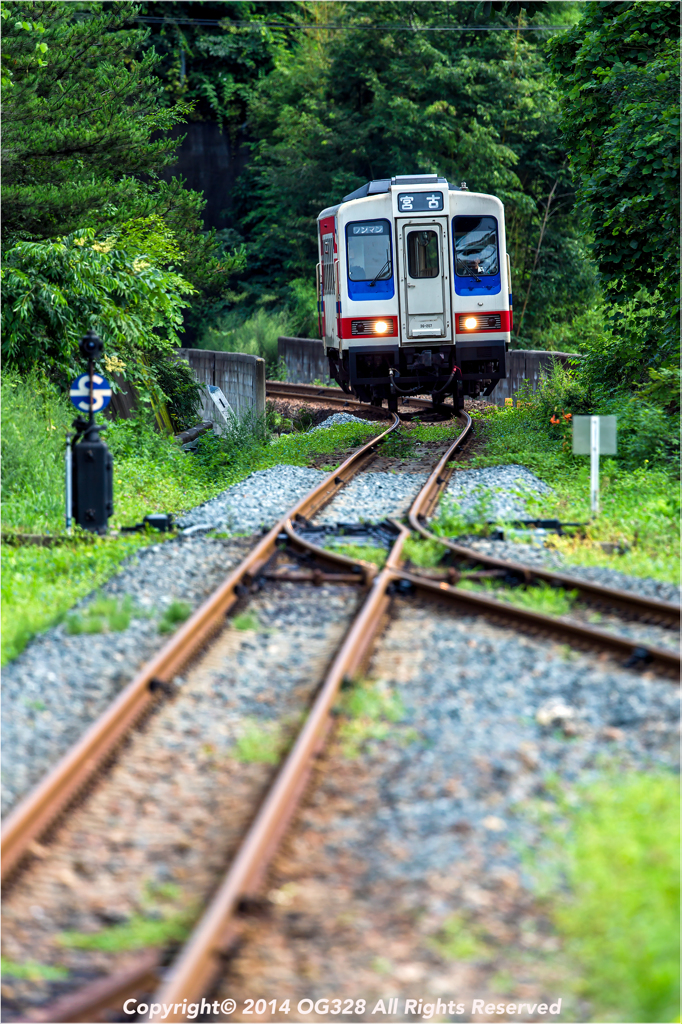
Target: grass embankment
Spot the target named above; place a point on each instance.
(639, 503)
(151, 474)
(609, 872)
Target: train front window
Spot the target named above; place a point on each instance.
(369, 251)
(422, 254)
(476, 247)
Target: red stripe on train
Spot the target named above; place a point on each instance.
(344, 326)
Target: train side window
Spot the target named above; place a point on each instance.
(370, 262)
(422, 254)
(476, 247)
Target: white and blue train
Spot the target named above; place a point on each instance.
(414, 290)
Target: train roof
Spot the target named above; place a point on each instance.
(375, 188)
(382, 185)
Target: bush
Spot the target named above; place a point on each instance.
(640, 336)
(177, 382)
(54, 291)
(647, 435)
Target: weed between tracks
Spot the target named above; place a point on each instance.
(371, 712)
(104, 613)
(175, 613)
(362, 552)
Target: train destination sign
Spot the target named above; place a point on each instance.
(419, 202)
(80, 392)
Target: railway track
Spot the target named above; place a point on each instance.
(195, 969)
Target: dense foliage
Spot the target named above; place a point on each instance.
(91, 236)
(386, 93)
(53, 289)
(618, 71)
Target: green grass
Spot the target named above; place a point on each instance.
(39, 585)
(458, 939)
(370, 712)
(139, 932)
(426, 554)
(639, 506)
(32, 971)
(363, 552)
(540, 598)
(104, 613)
(246, 621)
(151, 474)
(175, 613)
(258, 743)
(405, 441)
(617, 910)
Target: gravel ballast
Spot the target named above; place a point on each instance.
(538, 554)
(500, 491)
(336, 419)
(427, 828)
(176, 803)
(61, 683)
(256, 502)
(371, 497)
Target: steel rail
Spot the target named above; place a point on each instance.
(644, 608)
(193, 972)
(333, 396)
(667, 662)
(196, 967)
(40, 809)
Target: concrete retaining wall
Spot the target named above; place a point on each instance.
(305, 361)
(240, 377)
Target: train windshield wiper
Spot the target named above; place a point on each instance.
(386, 266)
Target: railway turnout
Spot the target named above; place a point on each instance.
(194, 970)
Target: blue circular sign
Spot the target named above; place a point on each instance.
(80, 392)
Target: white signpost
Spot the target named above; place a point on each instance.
(594, 436)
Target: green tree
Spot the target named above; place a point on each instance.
(618, 70)
(213, 54)
(54, 290)
(618, 73)
(77, 132)
(372, 100)
(84, 135)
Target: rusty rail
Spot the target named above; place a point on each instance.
(34, 815)
(200, 961)
(637, 607)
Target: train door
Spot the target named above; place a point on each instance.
(424, 278)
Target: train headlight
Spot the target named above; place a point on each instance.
(470, 323)
(381, 326)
